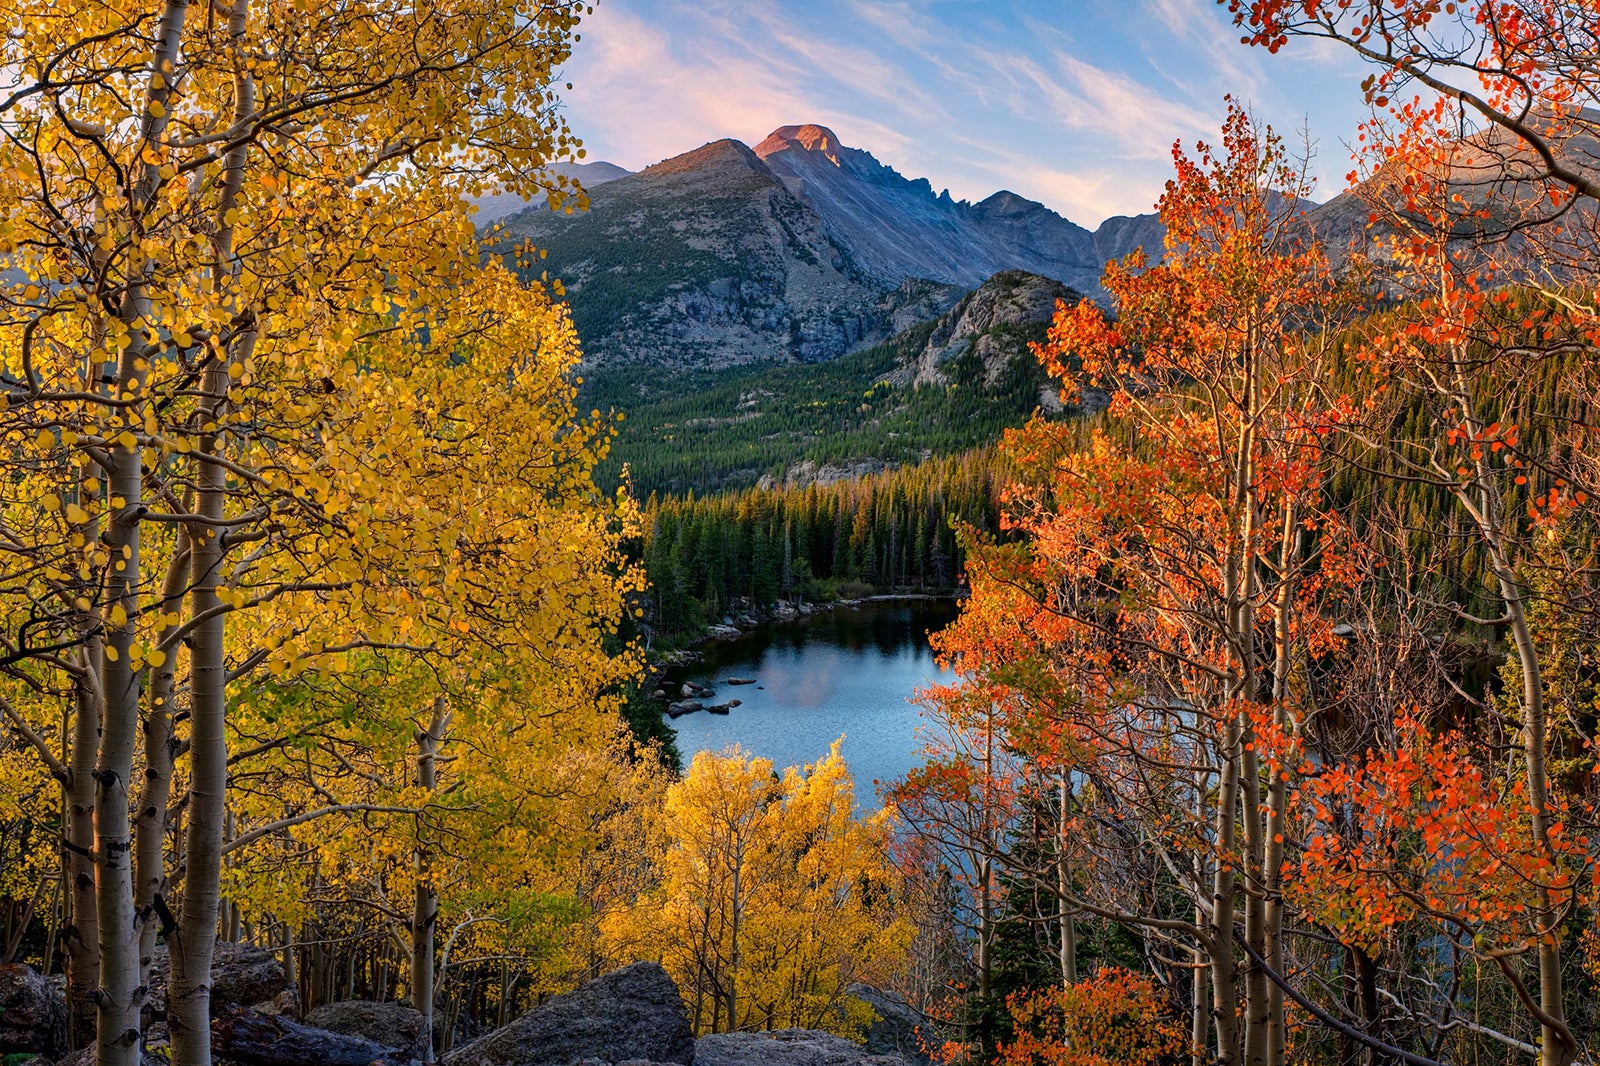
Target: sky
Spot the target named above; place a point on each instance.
(1074, 103)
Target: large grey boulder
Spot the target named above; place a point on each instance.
(241, 976)
(629, 1014)
(390, 1024)
(33, 1013)
(896, 1030)
(786, 1047)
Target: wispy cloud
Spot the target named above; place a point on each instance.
(1076, 104)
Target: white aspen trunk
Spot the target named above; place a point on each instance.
(1257, 1018)
(425, 903)
(119, 996)
(1555, 1040)
(189, 996)
(193, 946)
(1225, 1004)
(1199, 1013)
(80, 935)
(149, 830)
(1557, 1046)
(1291, 549)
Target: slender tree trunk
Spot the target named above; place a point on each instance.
(119, 996)
(189, 996)
(1199, 1010)
(735, 929)
(1069, 933)
(425, 905)
(1225, 1004)
(1555, 1040)
(1291, 547)
(80, 935)
(1557, 1046)
(149, 831)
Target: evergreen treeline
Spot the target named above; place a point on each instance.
(891, 530)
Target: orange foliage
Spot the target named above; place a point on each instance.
(1116, 1018)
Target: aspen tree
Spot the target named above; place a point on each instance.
(225, 218)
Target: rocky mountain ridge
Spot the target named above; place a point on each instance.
(897, 227)
(707, 260)
(798, 250)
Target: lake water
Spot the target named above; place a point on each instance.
(851, 672)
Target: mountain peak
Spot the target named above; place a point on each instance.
(809, 137)
(726, 153)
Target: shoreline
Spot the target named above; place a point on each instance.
(658, 666)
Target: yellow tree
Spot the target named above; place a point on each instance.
(771, 896)
(226, 224)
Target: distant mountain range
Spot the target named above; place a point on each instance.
(800, 249)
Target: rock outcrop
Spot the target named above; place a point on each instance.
(995, 322)
(631, 1014)
(250, 1038)
(33, 1013)
(897, 1030)
(241, 976)
(786, 1047)
(390, 1024)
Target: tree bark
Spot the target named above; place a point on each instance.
(189, 999)
(1069, 931)
(80, 935)
(425, 906)
(149, 831)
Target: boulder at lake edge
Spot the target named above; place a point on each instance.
(631, 1013)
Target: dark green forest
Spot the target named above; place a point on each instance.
(706, 431)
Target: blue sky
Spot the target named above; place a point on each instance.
(1074, 103)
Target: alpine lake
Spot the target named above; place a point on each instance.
(846, 671)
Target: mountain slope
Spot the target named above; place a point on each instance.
(897, 227)
(708, 260)
(588, 175)
(939, 388)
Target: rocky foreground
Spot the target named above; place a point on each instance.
(630, 1017)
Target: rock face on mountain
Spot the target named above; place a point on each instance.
(897, 227)
(996, 321)
(707, 260)
(799, 250)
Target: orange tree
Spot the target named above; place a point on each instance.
(1480, 176)
(1116, 1018)
(1172, 576)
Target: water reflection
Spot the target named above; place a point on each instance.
(850, 672)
